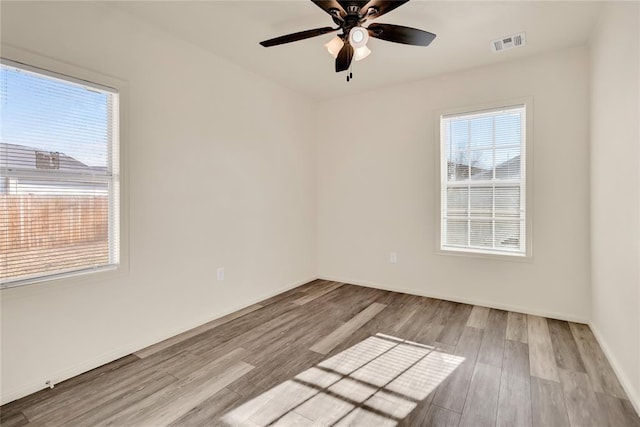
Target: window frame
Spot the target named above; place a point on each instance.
(30, 61)
(527, 181)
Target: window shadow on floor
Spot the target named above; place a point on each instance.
(378, 381)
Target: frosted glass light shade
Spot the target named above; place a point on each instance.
(358, 37)
(334, 45)
(361, 53)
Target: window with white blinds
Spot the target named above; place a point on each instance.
(483, 181)
(59, 175)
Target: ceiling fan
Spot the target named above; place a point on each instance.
(351, 44)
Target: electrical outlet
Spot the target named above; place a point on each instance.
(220, 274)
(393, 257)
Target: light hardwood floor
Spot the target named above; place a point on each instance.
(329, 353)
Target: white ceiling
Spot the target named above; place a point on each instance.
(232, 30)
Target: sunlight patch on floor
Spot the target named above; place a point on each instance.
(378, 381)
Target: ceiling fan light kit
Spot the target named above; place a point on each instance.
(351, 44)
(334, 45)
(361, 53)
(358, 37)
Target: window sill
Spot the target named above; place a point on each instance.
(471, 253)
(97, 272)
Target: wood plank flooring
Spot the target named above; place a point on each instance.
(329, 353)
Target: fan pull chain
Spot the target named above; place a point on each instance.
(350, 75)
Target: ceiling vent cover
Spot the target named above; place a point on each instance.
(508, 42)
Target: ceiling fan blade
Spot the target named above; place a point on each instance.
(298, 36)
(357, 3)
(343, 61)
(382, 6)
(328, 5)
(400, 34)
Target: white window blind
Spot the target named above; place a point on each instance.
(59, 175)
(483, 181)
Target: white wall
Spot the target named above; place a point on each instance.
(221, 172)
(378, 189)
(245, 194)
(615, 190)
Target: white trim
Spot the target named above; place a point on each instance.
(83, 76)
(56, 275)
(87, 84)
(480, 111)
(632, 394)
(471, 301)
(178, 331)
(527, 154)
(62, 176)
(471, 253)
(64, 374)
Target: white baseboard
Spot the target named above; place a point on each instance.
(61, 375)
(178, 331)
(483, 303)
(64, 374)
(632, 394)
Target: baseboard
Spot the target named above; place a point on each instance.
(632, 394)
(483, 303)
(64, 374)
(220, 314)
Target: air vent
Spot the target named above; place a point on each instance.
(508, 42)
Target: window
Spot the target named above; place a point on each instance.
(59, 175)
(483, 192)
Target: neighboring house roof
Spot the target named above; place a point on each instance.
(505, 169)
(14, 156)
(21, 157)
(464, 169)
